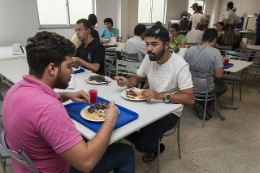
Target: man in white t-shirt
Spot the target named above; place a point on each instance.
(230, 14)
(195, 36)
(237, 18)
(169, 81)
(196, 18)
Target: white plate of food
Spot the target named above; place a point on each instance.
(131, 95)
(89, 114)
(98, 79)
(76, 69)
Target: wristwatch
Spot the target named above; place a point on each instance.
(167, 98)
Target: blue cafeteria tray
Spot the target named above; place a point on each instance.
(228, 66)
(125, 115)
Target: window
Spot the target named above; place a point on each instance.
(151, 11)
(63, 13)
(200, 3)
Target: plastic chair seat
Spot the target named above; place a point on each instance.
(231, 77)
(253, 68)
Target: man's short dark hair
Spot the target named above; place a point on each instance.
(200, 26)
(230, 5)
(158, 23)
(85, 22)
(92, 18)
(158, 32)
(139, 29)
(45, 48)
(210, 35)
(199, 8)
(176, 26)
(109, 20)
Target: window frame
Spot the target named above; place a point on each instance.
(68, 25)
(151, 9)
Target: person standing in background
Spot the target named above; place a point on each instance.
(230, 14)
(196, 18)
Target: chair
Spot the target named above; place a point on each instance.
(110, 52)
(126, 67)
(255, 68)
(108, 65)
(222, 49)
(233, 78)
(120, 39)
(176, 127)
(188, 45)
(199, 77)
(3, 154)
(19, 156)
(130, 57)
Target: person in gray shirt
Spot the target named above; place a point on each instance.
(206, 56)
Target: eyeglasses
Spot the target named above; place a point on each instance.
(79, 30)
(172, 31)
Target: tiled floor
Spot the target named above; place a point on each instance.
(228, 146)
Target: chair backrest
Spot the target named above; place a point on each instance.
(19, 156)
(133, 57)
(110, 52)
(237, 55)
(254, 53)
(201, 79)
(120, 39)
(126, 67)
(222, 49)
(188, 45)
(109, 61)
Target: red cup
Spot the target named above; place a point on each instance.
(93, 95)
(226, 61)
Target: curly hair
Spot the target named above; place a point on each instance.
(45, 48)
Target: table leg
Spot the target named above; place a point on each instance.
(228, 107)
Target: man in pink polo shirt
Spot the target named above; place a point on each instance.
(36, 121)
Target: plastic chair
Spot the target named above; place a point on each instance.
(176, 127)
(255, 68)
(126, 67)
(133, 57)
(199, 76)
(233, 78)
(188, 45)
(19, 156)
(3, 154)
(108, 65)
(222, 49)
(120, 39)
(110, 52)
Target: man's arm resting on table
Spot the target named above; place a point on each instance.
(91, 66)
(186, 96)
(219, 72)
(85, 156)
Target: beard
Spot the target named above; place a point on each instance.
(158, 56)
(59, 82)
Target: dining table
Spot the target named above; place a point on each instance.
(13, 67)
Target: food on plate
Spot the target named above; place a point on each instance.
(90, 113)
(97, 79)
(132, 95)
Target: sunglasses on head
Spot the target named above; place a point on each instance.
(153, 30)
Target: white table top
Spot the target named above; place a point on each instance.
(238, 65)
(120, 46)
(6, 53)
(247, 32)
(149, 111)
(256, 47)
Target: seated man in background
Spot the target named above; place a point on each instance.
(196, 18)
(137, 44)
(206, 56)
(91, 52)
(92, 18)
(195, 36)
(169, 81)
(36, 121)
(109, 31)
